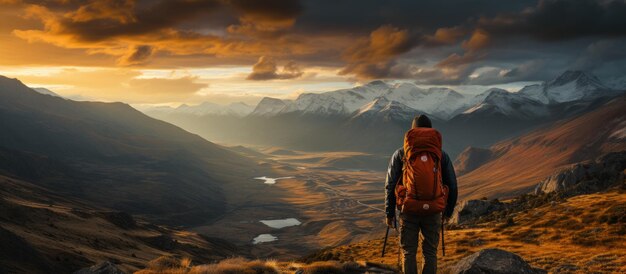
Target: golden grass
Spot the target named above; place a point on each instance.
(584, 234)
(170, 265)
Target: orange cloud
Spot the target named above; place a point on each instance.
(136, 56)
(479, 39)
(266, 69)
(374, 57)
(448, 35)
(134, 35)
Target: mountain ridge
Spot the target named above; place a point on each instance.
(109, 153)
(441, 102)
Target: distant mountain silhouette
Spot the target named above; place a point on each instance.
(369, 118)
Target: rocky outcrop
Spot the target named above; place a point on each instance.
(105, 267)
(494, 261)
(586, 177)
(472, 209)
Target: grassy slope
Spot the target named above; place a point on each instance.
(46, 233)
(523, 162)
(587, 231)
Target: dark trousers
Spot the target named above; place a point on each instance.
(410, 228)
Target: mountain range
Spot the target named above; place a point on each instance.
(407, 98)
(367, 117)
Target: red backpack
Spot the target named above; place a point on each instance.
(420, 190)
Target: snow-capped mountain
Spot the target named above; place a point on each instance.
(499, 101)
(269, 107)
(386, 110)
(569, 86)
(339, 102)
(401, 101)
(238, 109)
(440, 102)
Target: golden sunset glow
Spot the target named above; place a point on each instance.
(171, 52)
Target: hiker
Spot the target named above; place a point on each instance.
(422, 193)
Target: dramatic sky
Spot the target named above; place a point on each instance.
(175, 51)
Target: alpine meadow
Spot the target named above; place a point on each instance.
(312, 136)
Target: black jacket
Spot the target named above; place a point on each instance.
(394, 173)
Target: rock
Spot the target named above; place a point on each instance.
(493, 261)
(586, 177)
(105, 267)
(473, 209)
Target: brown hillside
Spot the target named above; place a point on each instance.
(42, 232)
(523, 162)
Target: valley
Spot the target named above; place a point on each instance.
(256, 137)
(331, 206)
(118, 186)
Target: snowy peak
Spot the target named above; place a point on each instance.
(496, 94)
(440, 102)
(269, 106)
(581, 78)
(447, 92)
(238, 109)
(499, 101)
(384, 109)
(207, 108)
(378, 85)
(374, 106)
(567, 87)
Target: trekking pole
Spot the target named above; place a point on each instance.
(385, 242)
(395, 224)
(443, 242)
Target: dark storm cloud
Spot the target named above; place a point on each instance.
(600, 53)
(431, 41)
(271, 10)
(419, 16)
(554, 20)
(96, 24)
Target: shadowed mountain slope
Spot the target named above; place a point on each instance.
(43, 232)
(114, 156)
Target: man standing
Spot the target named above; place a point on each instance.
(419, 215)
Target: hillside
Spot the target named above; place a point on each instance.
(110, 155)
(517, 165)
(42, 232)
(583, 234)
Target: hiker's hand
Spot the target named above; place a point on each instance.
(446, 220)
(390, 223)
